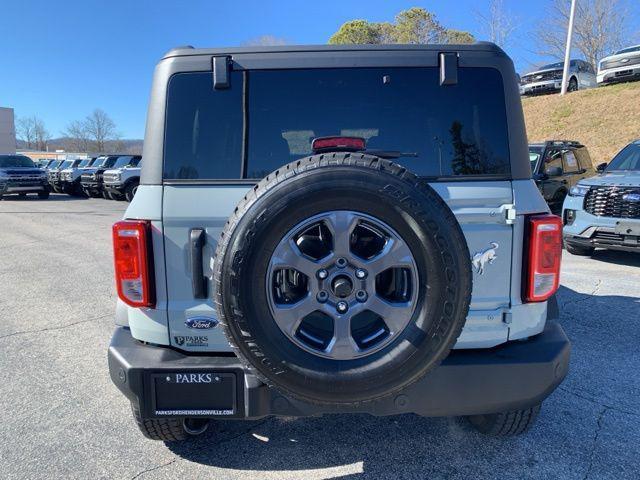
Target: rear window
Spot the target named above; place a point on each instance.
(448, 131)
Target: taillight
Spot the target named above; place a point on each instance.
(542, 267)
(132, 253)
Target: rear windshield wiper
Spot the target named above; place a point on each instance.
(390, 154)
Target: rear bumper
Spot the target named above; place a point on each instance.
(513, 376)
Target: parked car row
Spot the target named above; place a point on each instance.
(622, 66)
(600, 207)
(114, 177)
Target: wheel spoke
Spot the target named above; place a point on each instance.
(288, 317)
(342, 346)
(341, 225)
(395, 315)
(288, 255)
(395, 253)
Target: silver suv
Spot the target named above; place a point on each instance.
(604, 211)
(336, 229)
(548, 79)
(622, 66)
(122, 181)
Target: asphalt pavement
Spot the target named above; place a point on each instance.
(61, 417)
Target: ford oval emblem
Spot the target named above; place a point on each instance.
(631, 197)
(201, 323)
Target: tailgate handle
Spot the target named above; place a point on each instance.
(197, 239)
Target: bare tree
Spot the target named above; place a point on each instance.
(77, 137)
(25, 130)
(600, 27)
(498, 24)
(41, 134)
(100, 128)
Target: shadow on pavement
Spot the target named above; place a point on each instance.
(618, 258)
(34, 198)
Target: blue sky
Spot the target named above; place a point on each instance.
(60, 60)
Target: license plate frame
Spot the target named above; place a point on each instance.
(628, 227)
(193, 393)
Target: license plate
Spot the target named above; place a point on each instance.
(194, 393)
(628, 228)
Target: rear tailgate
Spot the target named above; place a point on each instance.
(187, 208)
(479, 206)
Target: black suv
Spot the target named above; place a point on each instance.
(20, 175)
(558, 165)
(91, 179)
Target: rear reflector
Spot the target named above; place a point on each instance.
(131, 251)
(350, 144)
(544, 255)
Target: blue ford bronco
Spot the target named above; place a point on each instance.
(336, 229)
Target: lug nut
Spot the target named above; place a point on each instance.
(342, 307)
(322, 274)
(341, 262)
(322, 296)
(360, 273)
(361, 296)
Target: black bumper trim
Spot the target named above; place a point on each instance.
(513, 376)
(599, 243)
(111, 188)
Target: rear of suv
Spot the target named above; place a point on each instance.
(336, 229)
(558, 165)
(604, 211)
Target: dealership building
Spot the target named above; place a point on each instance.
(7, 131)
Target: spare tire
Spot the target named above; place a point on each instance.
(342, 278)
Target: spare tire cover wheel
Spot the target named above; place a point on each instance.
(342, 278)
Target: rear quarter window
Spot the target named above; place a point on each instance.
(456, 130)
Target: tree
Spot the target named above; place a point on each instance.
(457, 37)
(41, 134)
(498, 24)
(416, 25)
(356, 32)
(600, 27)
(413, 26)
(77, 137)
(100, 129)
(25, 130)
(32, 131)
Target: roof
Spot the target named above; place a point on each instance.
(188, 50)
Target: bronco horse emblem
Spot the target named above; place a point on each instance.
(480, 259)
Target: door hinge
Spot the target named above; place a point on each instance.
(508, 213)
